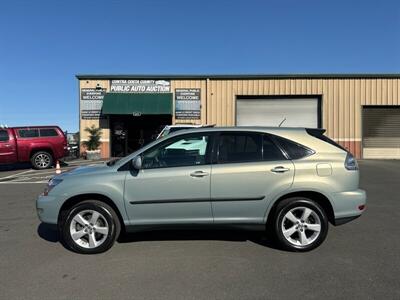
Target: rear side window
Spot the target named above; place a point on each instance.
(4, 136)
(293, 149)
(28, 133)
(239, 147)
(319, 134)
(48, 132)
(270, 150)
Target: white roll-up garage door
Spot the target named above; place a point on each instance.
(381, 132)
(297, 112)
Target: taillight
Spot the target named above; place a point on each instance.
(350, 163)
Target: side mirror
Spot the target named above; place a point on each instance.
(137, 162)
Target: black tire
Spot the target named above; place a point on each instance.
(106, 212)
(37, 161)
(297, 205)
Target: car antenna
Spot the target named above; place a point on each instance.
(284, 119)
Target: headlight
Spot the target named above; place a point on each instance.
(50, 185)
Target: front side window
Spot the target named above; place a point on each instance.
(45, 132)
(239, 147)
(4, 136)
(188, 150)
(28, 133)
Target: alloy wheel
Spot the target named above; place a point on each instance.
(89, 229)
(301, 226)
(42, 160)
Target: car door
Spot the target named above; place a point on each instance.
(173, 186)
(8, 151)
(249, 170)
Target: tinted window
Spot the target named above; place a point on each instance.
(239, 147)
(271, 151)
(319, 134)
(189, 150)
(4, 136)
(48, 132)
(28, 133)
(294, 150)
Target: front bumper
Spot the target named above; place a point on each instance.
(348, 205)
(47, 209)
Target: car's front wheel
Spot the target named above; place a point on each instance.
(89, 227)
(300, 224)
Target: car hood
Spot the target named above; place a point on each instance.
(85, 170)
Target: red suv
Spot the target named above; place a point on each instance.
(41, 145)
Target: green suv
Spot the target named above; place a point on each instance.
(293, 181)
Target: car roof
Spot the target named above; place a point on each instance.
(183, 125)
(33, 127)
(243, 128)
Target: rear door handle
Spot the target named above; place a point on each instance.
(279, 169)
(199, 174)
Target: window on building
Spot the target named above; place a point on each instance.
(189, 150)
(28, 133)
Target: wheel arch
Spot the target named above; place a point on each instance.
(70, 202)
(318, 197)
(38, 149)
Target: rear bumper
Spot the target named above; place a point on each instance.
(348, 205)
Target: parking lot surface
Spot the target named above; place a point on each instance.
(23, 173)
(358, 260)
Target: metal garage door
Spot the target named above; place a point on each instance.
(381, 132)
(297, 112)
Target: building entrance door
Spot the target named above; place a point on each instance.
(129, 133)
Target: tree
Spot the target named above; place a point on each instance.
(94, 138)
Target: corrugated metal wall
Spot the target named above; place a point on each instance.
(342, 101)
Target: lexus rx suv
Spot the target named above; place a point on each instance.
(292, 181)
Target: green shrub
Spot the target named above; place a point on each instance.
(94, 138)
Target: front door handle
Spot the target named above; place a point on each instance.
(279, 169)
(199, 174)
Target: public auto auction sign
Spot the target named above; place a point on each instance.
(140, 86)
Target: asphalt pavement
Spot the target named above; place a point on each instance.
(358, 260)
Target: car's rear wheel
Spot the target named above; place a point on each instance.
(42, 160)
(300, 224)
(90, 227)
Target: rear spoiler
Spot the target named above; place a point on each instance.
(315, 131)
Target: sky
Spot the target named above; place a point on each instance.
(44, 44)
